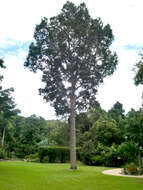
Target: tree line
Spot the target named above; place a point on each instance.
(109, 138)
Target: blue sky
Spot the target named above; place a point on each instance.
(13, 48)
(18, 20)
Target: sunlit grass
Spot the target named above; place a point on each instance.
(18, 175)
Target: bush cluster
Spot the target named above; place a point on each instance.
(3, 154)
(48, 154)
(116, 155)
(32, 158)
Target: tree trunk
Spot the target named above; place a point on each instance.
(3, 137)
(72, 135)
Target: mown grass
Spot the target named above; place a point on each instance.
(18, 175)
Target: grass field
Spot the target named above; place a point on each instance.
(18, 175)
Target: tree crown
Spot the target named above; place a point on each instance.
(72, 51)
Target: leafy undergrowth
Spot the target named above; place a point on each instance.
(19, 175)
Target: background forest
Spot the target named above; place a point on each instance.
(109, 138)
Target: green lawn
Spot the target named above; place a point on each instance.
(18, 175)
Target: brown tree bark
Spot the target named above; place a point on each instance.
(72, 135)
(3, 137)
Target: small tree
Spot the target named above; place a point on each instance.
(7, 108)
(72, 51)
(135, 130)
(117, 112)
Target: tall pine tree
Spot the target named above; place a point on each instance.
(72, 51)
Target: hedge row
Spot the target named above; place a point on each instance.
(53, 154)
(48, 154)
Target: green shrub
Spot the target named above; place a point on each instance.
(86, 159)
(35, 160)
(112, 157)
(19, 154)
(128, 151)
(97, 160)
(45, 159)
(33, 157)
(54, 154)
(116, 155)
(103, 155)
(140, 172)
(78, 153)
(90, 155)
(24, 149)
(3, 154)
(12, 155)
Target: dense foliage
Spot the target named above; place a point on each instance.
(54, 154)
(8, 112)
(112, 139)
